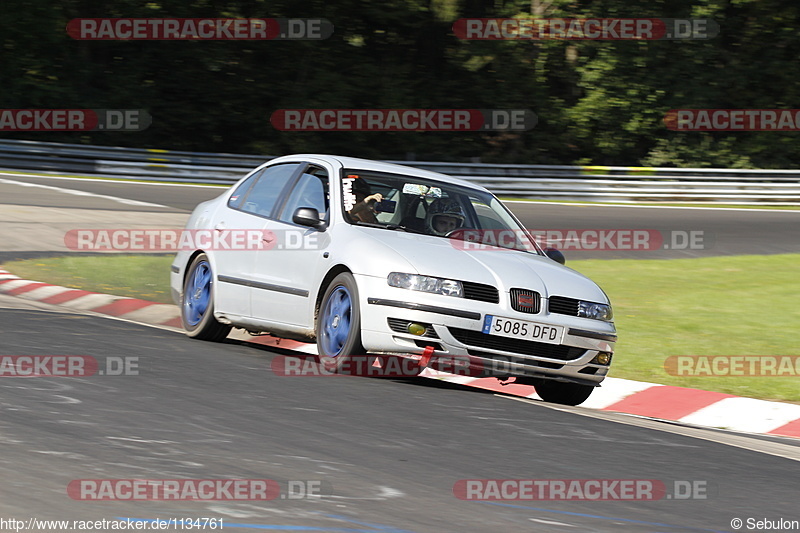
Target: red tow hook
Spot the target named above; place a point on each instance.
(427, 354)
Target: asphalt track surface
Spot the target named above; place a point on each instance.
(386, 452)
(670, 230)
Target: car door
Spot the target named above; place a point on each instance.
(248, 209)
(288, 274)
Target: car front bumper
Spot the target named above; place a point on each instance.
(453, 329)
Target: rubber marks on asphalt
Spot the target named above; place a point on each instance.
(691, 406)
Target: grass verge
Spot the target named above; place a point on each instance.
(736, 305)
(136, 276)
(740, 305)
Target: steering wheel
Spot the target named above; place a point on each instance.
(456, 233)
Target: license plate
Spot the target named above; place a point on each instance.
(522, 329)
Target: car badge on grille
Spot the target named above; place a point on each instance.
(526, 300)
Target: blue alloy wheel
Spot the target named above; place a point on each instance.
(336, 321)
(339, 321)
(197, 297)
(197, 311)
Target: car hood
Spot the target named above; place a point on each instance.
(502, 268)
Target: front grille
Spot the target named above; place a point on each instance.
(471, 337)
(480, 292)
(401, 326)
(424, 344)
(563, 305)
(511, 359)
(525, 301)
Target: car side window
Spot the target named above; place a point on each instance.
(264, 195)
(236, 199)
(311, 190)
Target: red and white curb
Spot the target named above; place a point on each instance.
(127, 308)
(690, 406)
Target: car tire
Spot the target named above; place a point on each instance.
(563, 393)
(197, 304)
(338, 325)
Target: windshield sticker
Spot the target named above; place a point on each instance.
(347, 192)
(422, 190)
(413, 188)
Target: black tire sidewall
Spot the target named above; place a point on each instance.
(563, 393)
(352, 345)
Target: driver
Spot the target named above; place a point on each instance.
(364, 209)
(444, 216)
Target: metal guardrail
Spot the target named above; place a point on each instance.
(529, 181)
(161, 165)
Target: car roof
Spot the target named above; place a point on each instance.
(379, 166)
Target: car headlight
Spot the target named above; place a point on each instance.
(595, 310)
(415, 282)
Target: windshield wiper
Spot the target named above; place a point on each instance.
(395, 227)
(368, 224)
(403, 228)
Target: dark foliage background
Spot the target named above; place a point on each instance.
(600, 102)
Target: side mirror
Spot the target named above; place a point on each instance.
(308, 216)
(555, 254)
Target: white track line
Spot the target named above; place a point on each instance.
(741, 209)
(75, 192)
(131, 180)
(137, 181)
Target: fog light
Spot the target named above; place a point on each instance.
(603, 358)
(416, 329)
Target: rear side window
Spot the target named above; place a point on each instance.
(264, 194)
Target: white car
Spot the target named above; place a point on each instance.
(364, 257)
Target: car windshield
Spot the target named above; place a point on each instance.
(437, 208)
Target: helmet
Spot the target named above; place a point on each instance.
(361, 186)
(444, 207)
